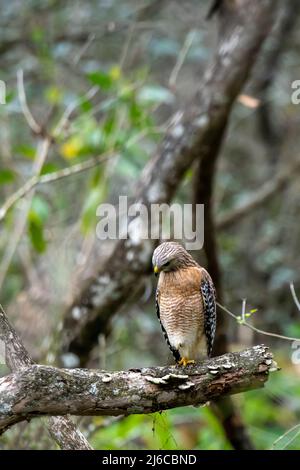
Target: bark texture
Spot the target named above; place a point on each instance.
(44, 390)
(62, 429)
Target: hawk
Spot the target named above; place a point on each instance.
(185, 303)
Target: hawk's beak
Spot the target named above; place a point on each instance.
(156, 270)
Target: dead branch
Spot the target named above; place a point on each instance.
(44, 390)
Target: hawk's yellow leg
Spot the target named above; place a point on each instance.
(185, 361)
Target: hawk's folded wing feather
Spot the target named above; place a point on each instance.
(209, 306)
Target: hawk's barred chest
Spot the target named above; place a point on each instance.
(180, 301)
(185, 303)
(185, 281)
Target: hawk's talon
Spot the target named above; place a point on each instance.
(184, 361)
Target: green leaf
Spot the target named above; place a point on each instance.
(37, 217)
(53, 95)
(86, 106)
(292, 329)
(26, 151)
(36, 235)
(7, 176)
(49, 168)
(109, 124)
(135, 112)
(37, 34)
(10, 95)
(101, 79)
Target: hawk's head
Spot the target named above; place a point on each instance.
(170, 256)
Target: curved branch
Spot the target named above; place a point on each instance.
(257, 330)
(43, 390)
(271, 131)
(259, 197)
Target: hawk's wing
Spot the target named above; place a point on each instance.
(174, 351)
(210, 313)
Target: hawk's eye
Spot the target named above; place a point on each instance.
(167, 263)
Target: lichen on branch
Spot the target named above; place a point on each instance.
(44, 390)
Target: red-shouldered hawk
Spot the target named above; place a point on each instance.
(185, 303)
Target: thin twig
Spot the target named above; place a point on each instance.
(102, 105)
(78, 168)
(286, 434)
(291, 440)
(259, 197)
(294, 295)
(244, 309)
(181, 57)
(127, 45)
(21, 192)
(71, 108)
(40, 158)
(50, 177)
(34, 126)
(262, 332)
(84, 48)
(106, 424)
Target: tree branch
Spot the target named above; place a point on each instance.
(204, 186)
(259, 197)
(63, 431)
(43, 390)
(41, 155)
(50, 178)
(190, 136)
(271, 131)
